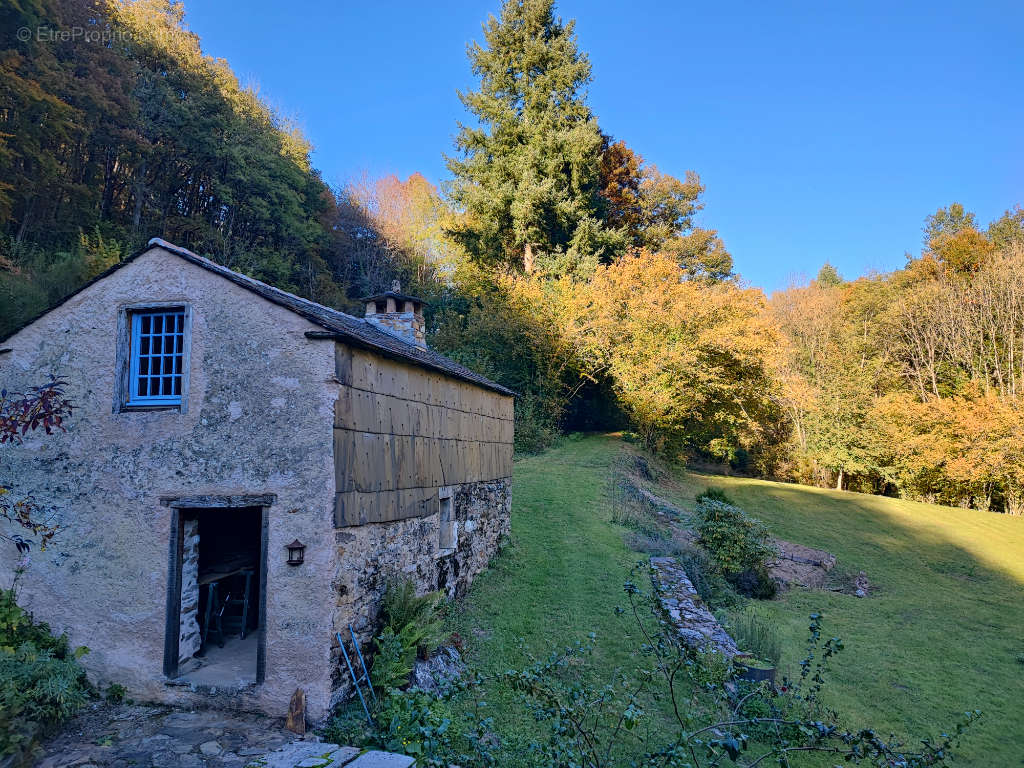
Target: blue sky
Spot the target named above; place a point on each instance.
(822, 130)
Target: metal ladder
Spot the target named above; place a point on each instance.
(363, 678)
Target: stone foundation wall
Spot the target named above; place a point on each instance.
(370, 555)
(189, 640)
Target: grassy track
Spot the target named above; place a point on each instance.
(943, 632)
(560, 580)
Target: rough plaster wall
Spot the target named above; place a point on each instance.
(370, 555)
(259, 420)
(188, 638)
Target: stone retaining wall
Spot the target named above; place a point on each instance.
(696, 625)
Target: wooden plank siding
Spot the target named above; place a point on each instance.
(402, 432)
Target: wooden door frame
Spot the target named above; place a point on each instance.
(176, 541)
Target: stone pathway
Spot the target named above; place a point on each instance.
(137, 736)
(696, 625)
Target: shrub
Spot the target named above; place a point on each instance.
(714, 494)
(735, 541)
(415, 618)
(41, 682)
(706, 578)
(757, 636)
(411, 627)
(393, 661)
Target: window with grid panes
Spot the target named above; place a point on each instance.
(157, 357)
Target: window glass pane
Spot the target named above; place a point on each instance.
(157, 364)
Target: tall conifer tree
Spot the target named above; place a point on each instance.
(527, 176)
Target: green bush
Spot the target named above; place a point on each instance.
(393, 661)
(735, 541)
(706, 578)
(415, 618)
(41, 682)
(714, 494)
(411, 626)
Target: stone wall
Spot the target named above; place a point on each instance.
(188, 638)
(408, 326)
(371, 555)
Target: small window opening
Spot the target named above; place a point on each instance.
(157, 357)
(447, 522)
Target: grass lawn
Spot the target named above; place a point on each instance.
(559, 580)
(943, 631)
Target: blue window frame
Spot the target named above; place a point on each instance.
(158, 357)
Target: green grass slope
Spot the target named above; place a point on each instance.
(943, 631)
(559, 580)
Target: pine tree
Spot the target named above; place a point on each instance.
(527, 177)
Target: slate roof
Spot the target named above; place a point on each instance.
(335, 324)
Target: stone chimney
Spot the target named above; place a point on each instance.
(398, 314)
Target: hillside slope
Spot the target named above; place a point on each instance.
(942, 632)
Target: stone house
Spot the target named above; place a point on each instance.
(243, 472)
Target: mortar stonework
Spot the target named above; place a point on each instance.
(369, 556)
(188, 637)
(268, 410)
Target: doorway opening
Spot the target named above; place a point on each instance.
(216, 613)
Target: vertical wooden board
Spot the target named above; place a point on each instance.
(385, 464)
(411, 417)
(343, 407)
(403, 459)
(434, 462)
(365, 419)
(366, 479)
(448, 460)
(441, 413)
(344, 452)
(343, 363)
(420, 418)
(342, 514)
(368, 509)
(439, 384)
(506, 468)
(434, 421)
(389, 505)
(406, 504)
(424, 461)
(362, 370)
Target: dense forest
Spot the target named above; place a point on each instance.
(556, 259)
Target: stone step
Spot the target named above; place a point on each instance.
(310, 754)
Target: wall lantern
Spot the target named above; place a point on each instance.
(296, 553)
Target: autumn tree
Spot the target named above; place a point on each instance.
(692, 381)
(655, 211)
(527, 175)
